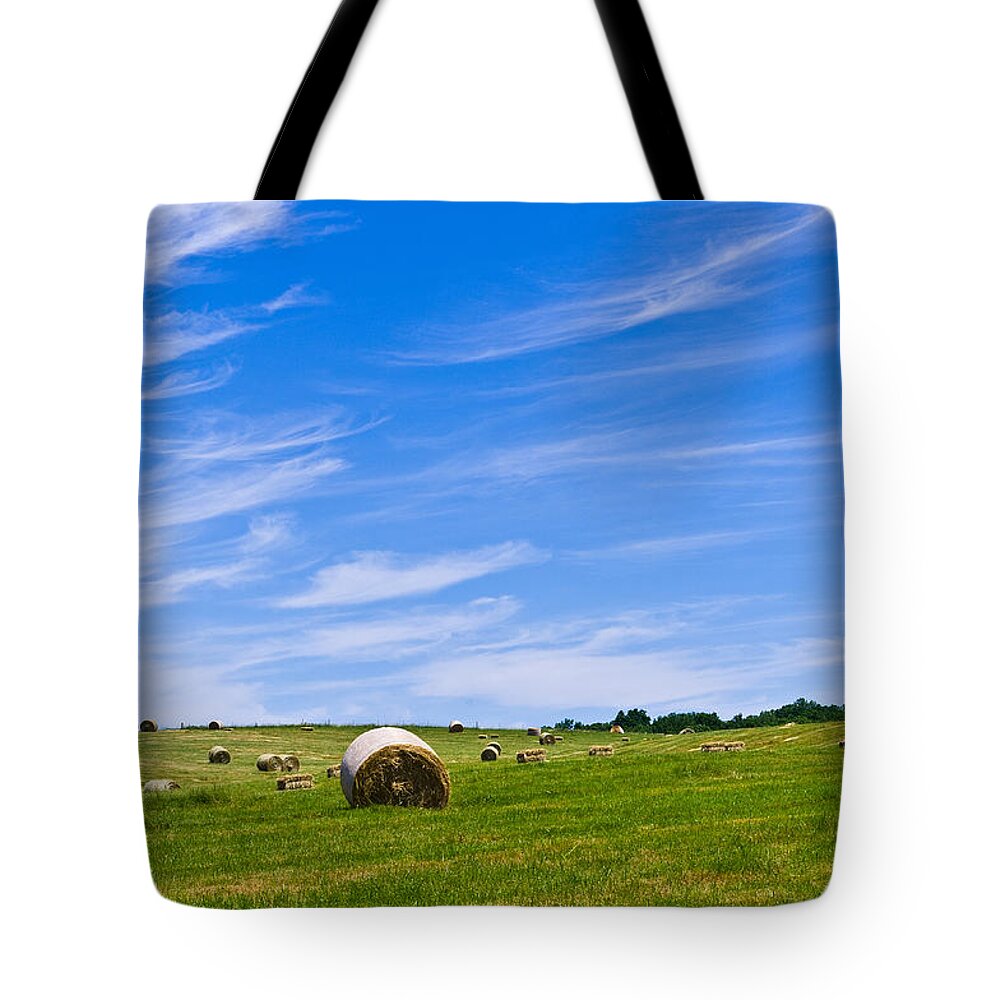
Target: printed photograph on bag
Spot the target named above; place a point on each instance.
(491, 554)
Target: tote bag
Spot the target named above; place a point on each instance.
(491, 553)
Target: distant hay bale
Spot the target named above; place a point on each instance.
(547, 739)
(215, 724)
(494, 736)
(559, 739)
(219, 755)
(625, 739)
(160, 785)
(289, 762)
(482, 736)
(787, 724)
(534, 731)
(841, 744)
(720, 746)
(333, 772)
(531, 756)
(148, 726)
(306, 729)
(617, 730)
(490, 753)
(455, 726)
(269, 762)
(601, 751)
(390, 766)
(294, 781)
(686, 732)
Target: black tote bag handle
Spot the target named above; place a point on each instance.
(635, 56)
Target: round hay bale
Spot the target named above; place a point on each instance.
(289, 762)
(455, 726)
(390, 766)
(333, 772)
(534, 731)
(269, 762)
(559, 739)
(686, 732)
(617, 730)
(306, 729)
(546, 739)
(496, 746)
(490, 753)
(482, 736)
(219, 755)
(148, 726)
(160, 785)
(215, 724)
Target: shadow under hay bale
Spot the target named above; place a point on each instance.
(601, 751)
(547, 739)
(219, 755)
(269, 762)
(393, 767)
(289, 762)
(148, 726)
(490, 753)
(455, 727)
(160, 785)
(295, 781)
(531, 756)
(215, 724)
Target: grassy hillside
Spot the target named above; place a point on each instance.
(659, 823)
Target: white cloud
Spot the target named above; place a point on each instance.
(600, 309)
(201, 498)
(380, 576)
(189, 383)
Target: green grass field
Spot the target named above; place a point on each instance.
(657, 824)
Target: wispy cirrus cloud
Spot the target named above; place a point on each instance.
(656, 548)
(226, 565)
(378, 576)
(221, 437)
(189, 383)
(594, 310)
(175, 333)
(203, 496)
(183, 239)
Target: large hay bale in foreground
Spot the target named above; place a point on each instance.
(269, 762)
(393, 767)
(490, 753)
(219, 755)
(601, 751)
(289, 762)
(160, 785)
(531, 756)
(294, 781)
(148, 726)
(455, 726)
(215, 724)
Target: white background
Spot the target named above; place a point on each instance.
(884, 111)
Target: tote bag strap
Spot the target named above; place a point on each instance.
(635, 56)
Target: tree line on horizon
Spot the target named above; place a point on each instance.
(638, 720)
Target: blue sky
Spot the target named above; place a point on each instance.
(408, 462)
